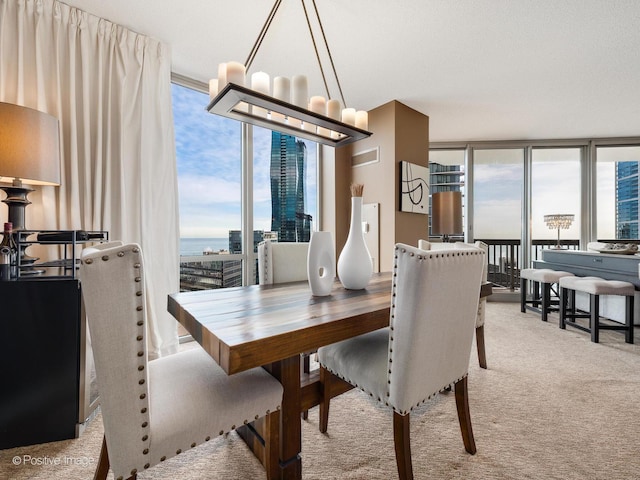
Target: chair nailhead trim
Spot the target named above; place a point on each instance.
(141, 381)
(140, 354)
(139, 338)
(193, 444)
(179, 451)
(141, 368)
(207, 439)
(221, 432)
(145, 438)
(136, 250)
(144, 424)
(134, 471)
(137, 279)
(146, 465)
(143, 396)
(88, 261)
(144, 410)
(163, 458)
(105, 258)
(121, 254)
(145, 451)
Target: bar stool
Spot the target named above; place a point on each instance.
(595, 286)
(546, 277)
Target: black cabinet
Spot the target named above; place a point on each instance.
(43, 359)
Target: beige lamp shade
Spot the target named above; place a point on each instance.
(446, 213)
(29, 146)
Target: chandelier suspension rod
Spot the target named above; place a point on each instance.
(326, 44)
(261, 35)
(313, 40)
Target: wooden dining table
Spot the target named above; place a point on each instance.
(270, 326)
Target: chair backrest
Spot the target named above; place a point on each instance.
(282, 262)
(433, 314)
(112, 281)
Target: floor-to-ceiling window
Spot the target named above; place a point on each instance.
(498, 179)
(216, 176)
(209, 163)
(617, 192)
(446, 172)
(556, 189)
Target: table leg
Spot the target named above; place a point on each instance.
(288, 372)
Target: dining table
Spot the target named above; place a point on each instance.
(270, 326)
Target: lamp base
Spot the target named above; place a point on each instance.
(17, 201)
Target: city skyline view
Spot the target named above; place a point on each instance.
(209, 175)
(208, 150)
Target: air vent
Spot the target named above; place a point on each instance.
(367, 157)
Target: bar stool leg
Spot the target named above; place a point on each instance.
(546, 300)
(523, 294)
(536, 294)
(563, 308)
(594, 301)
(629, 319)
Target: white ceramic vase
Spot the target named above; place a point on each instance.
(321, 264)
(354, 265)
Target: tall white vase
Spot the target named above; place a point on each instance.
(321, 263)
(354, 264)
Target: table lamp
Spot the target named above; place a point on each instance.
(446, 214)
(559, 221)
(29, 154)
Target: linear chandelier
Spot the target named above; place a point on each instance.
(287, 107)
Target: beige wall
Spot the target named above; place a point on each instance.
(400, 133)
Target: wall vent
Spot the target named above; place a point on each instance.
(366, 157)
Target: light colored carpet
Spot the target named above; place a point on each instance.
(552, 405)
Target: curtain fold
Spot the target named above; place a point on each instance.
(110, 88)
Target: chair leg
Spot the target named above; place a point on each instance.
(325, 379)
(272, 445)
(482, 356)
(402, 441)
(546, 300)
(629, 321)
(102, 470)
(523, 295)
(464, 417)
(594, 301)
(562, 308)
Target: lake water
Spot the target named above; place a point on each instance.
(195, 246)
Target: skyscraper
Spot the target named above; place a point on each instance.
(288, 189)
(627, 200)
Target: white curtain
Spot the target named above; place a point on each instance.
(111, 90)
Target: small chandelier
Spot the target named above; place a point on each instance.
(559, 221)
(287, 107)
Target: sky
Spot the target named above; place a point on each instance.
(208, 149)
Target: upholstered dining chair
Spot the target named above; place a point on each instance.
(281, 263)
(153, 410)
(425, 349)
(482, 304)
